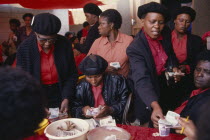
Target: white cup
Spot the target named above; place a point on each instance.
(163, 130)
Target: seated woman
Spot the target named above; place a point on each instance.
(186, 47)
(202, 130)
(99, 88)
(201, 96)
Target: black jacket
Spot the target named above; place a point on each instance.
(195, 45)
(93, 34)
(28, 58)
(115, 94)
(142, 67)
(193, 107)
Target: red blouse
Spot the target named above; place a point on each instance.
(158, 53)
(180, 49)
(84, 32)
(179, 46)
(49, 74)
(97, 93)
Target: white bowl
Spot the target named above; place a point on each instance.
(51, 130)
(108, 132)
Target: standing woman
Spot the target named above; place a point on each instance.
(48, 58)
(112, 44)
(26, 31)
(186, 47)
(150, 54)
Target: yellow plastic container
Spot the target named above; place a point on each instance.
(42, 126)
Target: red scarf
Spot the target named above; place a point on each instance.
(194, 93)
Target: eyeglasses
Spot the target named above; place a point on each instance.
(44, 40)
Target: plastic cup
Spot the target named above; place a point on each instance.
(163, 130)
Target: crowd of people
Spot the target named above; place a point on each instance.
(164, 69)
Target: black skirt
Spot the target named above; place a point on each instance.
(53, 95)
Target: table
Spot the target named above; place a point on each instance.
(37, 137)
(144, 133)
(137, 133)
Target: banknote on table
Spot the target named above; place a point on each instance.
(107, 121)
(92, 123)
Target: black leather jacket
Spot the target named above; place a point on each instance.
(115, 93)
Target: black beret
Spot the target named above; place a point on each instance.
(185, 10)
(92, 9)
(46, 24)
(93, 65)
(153, 7)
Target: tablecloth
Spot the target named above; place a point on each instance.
(137, 133)
(144, 133)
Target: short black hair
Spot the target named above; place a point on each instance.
(22, 105)
(203, 56)
(69, 33)
(85, 24)
(185, 10)
(14, 21)
(92, 9)
(113, 16)
(27, 15)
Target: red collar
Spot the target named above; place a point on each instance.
(149, 38)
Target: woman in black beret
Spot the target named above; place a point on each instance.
(150, 55)
(48, 57)
(99, 89)
(92, 12)
(186, 47)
